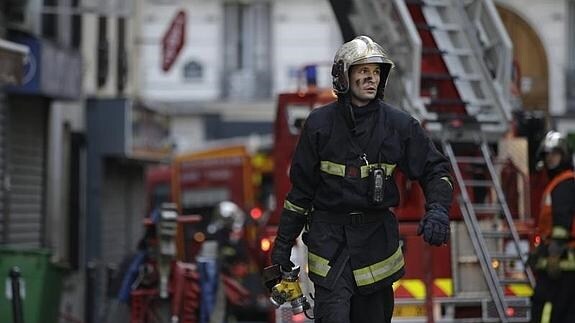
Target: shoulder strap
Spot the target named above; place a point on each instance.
(545, 220)
(559, 178)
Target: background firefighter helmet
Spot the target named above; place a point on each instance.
(227, 217)
(555, 141)
(360, 50)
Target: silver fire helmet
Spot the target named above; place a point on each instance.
(227, 215)
(555, 141)
(360, 50)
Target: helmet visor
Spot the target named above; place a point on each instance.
(370, 60)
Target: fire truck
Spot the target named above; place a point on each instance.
(453, 72)
(196, 186)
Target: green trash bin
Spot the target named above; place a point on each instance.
(41, 283)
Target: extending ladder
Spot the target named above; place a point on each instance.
(465, 44)
(491, 261)
(440, 47)
(389, 24)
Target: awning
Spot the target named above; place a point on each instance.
(11, 62)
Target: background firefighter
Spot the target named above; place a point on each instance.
(343, 187)
(554, 258)
(230, 290)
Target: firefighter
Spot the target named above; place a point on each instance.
(554, 261)
(343, 188)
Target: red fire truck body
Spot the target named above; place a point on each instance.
(428, 269)
(480, 275)
(201, 179)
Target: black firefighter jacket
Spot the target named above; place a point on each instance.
(329, 175)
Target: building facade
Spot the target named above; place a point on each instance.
(544, 50)
(74, 143)
(236, 57)
(12, 57)
(42, 113)
(123, 136)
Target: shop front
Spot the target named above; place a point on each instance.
(49, 73)
(12, 56)
(123, 138)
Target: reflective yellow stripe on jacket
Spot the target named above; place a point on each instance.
(363, 276)
(567, 264)
(318, 265)
(292, 207)
(380, 270)
(339, 169)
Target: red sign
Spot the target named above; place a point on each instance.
(173, 40)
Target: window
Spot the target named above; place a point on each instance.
(102, 52)
(50, 21)
(571, 34)
(76, 25)
(122, 59)
(570, 72)
(247, 50)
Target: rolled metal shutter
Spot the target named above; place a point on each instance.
(123, 201)
(3, 218)
(26, 166)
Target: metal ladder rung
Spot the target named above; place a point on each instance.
(469, 77)
(484, 117)
(515, 302)
(436, 3)
(470, 160)
(484, 208)
(459, 52)
(480, 103)
(477, 103)
(478, 183)
(467, 259)
(496, 234)
(504, 256)
(450, 52)
(510, 281)
(442, 27)
(476, 160)
(415, 2)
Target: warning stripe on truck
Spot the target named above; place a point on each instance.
(443, 287)
(521, 290)
(415, 288)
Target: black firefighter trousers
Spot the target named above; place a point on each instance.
(559, 292)
(343, 303)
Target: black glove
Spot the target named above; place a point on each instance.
(555, 249)
(435, 225)
(291, 224)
